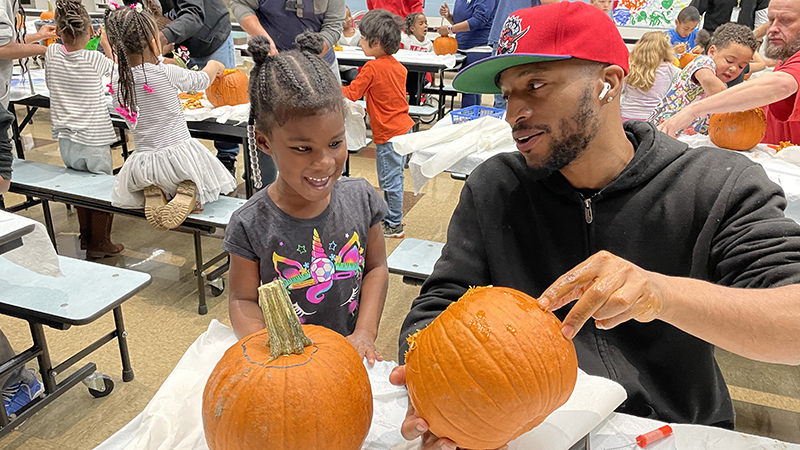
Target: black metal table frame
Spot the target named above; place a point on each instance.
(206, 129)
(39, 350)
(191, 226)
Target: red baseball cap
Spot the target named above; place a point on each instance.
(547, 33)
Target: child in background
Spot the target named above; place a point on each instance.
(79, 115)
(167, 160)
(650, 77)
(604, 5)
(350, 36)
(702, 41)
(316, 232)
(415, 36)
(683, 36)
(383, 80)
(729, 52)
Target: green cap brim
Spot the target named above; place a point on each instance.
(481, 77)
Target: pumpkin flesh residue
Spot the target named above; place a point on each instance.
(480, 326)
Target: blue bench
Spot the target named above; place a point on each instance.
(414, 259)
(86, 292)
(51, 183)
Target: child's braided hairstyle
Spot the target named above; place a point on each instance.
(71, 19)
(21, 33)
(129, 32)
(292, 84)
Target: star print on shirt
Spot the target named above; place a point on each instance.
(301, 249)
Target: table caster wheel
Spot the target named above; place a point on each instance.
(99, 385)
(217, 286)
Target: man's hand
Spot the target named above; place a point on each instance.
(364, 342)
(609, 289)
(678, 122)
(443, 31)
(44, 33)
(415, 426)
(680, 48)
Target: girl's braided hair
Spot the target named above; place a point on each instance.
(411, 19)
(71, 19)
(130, 31)
(292, 84)
(21, 32)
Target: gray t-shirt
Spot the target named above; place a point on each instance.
(320, 260)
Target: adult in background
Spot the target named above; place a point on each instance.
(280, 21)
(204, 28)
(651, 253)
(471, 21)
(400, 8)
(776, 91)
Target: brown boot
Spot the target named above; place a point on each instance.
(101, 245)
(85, 225)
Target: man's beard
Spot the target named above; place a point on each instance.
(783, 52)
(577, 133)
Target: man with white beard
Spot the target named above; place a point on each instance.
(776, 92)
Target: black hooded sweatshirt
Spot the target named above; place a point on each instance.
(703, 213)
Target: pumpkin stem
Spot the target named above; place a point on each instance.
(286, 335)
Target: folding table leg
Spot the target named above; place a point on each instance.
(202, 309)
(48, 223)
(122, 338)
(45, 364)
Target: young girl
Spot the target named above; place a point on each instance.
(350, 36)
(729, 52)
(415, 36)
(319, 234)
(651, 74)
(167, 160)
(79, 115)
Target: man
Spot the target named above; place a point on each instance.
(777, 90)
(718, 12)
(204, 28)
(640, 226)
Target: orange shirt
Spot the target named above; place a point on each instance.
(383, 81)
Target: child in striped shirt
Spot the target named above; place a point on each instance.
(168, 161)
(79, 115)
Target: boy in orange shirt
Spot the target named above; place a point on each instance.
(383, 81)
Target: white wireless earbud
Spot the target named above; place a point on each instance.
(606, 88)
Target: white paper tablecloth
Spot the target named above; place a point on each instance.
(37, 253)
(172, 419)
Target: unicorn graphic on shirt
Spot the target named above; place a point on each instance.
(322, 270)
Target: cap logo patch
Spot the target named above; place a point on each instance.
(512, 32)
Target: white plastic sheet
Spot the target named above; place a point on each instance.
(172, 419)
(354, 126)
(441, 147)
(37, 253)
(403, 56)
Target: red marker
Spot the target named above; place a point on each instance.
(643, 440)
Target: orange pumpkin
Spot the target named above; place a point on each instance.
(230, 89)
(287, 387)
(739, 130)
(491, 367)
(445, 45)
(49, 14)
(686, 58)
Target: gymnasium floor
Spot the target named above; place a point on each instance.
(162, 321)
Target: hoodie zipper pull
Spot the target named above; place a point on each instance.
(587, 209)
